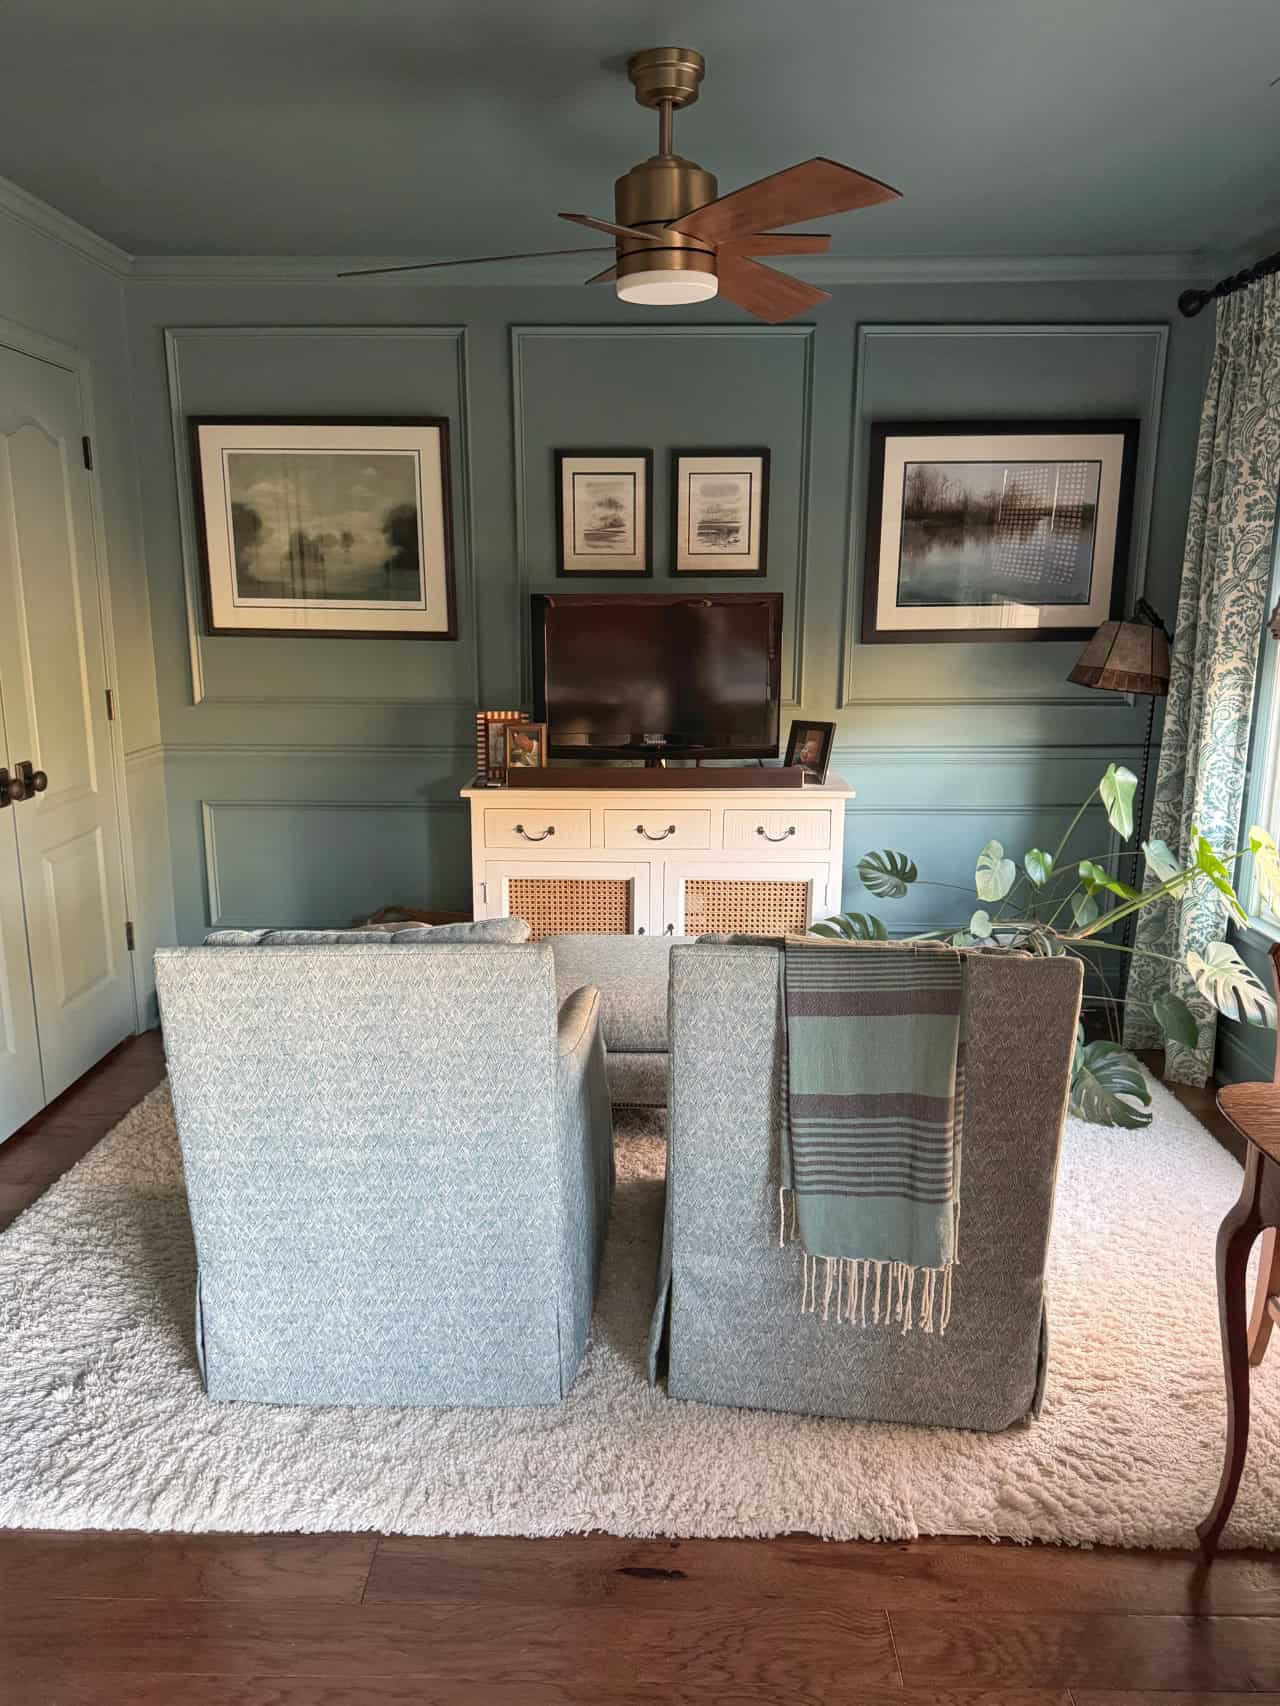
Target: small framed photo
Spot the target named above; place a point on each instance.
(809, 745)
(719, 512)
(491, 746)
(997, 530)
(526, 746)
(324, 526)
(604, 512)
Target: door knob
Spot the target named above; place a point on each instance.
(27, 781)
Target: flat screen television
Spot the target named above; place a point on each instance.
(658, 675)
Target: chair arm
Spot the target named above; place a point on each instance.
(577, 1011)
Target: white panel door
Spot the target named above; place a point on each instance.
(53, 680)
(21, 1081)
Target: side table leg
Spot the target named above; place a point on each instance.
(1235, 1240)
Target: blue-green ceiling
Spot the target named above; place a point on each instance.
(436, 128)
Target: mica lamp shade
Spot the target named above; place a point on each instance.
(1126, 657)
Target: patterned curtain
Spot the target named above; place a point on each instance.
(1226, 573)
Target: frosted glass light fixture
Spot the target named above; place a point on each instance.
(667, 289)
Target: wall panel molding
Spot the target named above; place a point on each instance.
(220, 908)
(1151, 411)
(463, 507)
(803, 336)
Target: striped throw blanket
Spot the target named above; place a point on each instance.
(871, 1128)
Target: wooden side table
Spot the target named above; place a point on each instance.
(1254, 1111)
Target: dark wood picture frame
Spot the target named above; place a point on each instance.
(559, 458)
(522, 729)
(762, 544)
(1127, 429)
(800, 727)
(437, 422)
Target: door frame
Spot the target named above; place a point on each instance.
(41, 347)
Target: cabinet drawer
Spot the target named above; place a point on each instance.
(772, 833)
(535, 826)
(667, 828)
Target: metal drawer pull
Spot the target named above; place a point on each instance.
(549, 830)
(761, 830)
(669, 830)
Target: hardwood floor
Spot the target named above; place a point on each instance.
(357, 1620)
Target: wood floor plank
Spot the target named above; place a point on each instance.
(1044, 1650)
(36, 1566)
(83, 1689)
(1158, 1697)
(911, 1575)
(787, 1652)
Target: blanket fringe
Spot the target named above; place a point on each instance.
(892, 1293)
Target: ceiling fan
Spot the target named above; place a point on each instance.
(677, 240)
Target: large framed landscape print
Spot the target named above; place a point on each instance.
(604, 512)
(325, 527)
(997, 531)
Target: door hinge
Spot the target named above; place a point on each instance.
(87, 447)
(111, 706)
(128, 934)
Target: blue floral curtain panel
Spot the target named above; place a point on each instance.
(1226, 574)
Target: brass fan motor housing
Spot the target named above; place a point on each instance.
(651, 195)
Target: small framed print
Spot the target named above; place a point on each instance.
(491, 746)
(999, 530)
(324, 526)
(719, 512)
(809, 745)
(526, 746)
(604, 511)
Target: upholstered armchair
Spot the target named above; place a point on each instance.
(399, 1166)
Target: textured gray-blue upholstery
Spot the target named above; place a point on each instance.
(631, 974)
(399, 1164)
(729, 1296)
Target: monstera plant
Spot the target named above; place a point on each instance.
(1057, 903)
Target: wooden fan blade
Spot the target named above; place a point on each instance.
(768, 294)
(602, 277)
(471, 261)
(810, 190)
(777, 243)
(614, 230)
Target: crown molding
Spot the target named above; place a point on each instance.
(566, 270)
(37, 215)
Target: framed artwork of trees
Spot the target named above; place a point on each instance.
(324, 526)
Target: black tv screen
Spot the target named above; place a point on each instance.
(623, 676)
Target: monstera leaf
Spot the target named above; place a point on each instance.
(1161, 862)
(1209, 865)
(1084, 908)
(887, 875)
(852, 927)
(1266, 869)
(1038, 866)
(995, 874)
(1108, 1088)
(1176, 1020)
(1117, 789)
(980, 925)
(1222, 977)
(1094, 877)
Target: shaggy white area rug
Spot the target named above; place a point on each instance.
(103, 1422)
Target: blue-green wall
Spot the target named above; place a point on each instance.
(268, 745)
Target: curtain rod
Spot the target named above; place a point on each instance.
(1192, 301)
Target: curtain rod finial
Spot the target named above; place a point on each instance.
(1192, 301)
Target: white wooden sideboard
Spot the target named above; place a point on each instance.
(680, 860)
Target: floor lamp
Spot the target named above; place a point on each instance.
(1130, 657)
